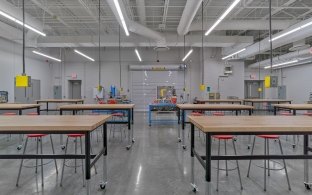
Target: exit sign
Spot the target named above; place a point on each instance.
(74, 75)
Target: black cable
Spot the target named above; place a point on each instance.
(184, 63)
(24, 71)
(99, 42)
(271, 44)
(119, 59)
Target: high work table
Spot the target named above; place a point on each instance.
(209, 107)
(107, 107)
(60, 125)
(19, 108)
(58, 101)
(248, 125)
(269, 101)
(229, 101)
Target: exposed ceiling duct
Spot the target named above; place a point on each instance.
(141, 11)
(136, 27)
(188, 15)
(300, 54)
(265, 44)
(244, 25)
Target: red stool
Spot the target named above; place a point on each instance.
(38, 138)
(75, 137)
(267, 152)
(225, 138)
(308, 114)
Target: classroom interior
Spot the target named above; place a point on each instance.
(136, 97)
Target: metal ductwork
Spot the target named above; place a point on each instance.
(188, 15)
(141, 11)
(265, 44)
(136, 27)
(157, 67)
(244, 25)
(300, 54)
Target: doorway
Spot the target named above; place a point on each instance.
(27, 94)
(74, 89)
(251, 89)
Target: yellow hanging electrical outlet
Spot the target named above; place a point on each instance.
(267, 81)
(202, 87)
(22, 81)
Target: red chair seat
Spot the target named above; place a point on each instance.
(269, 136)
(32, 113)
(9, 113)
(75, 135)
(308, 114)
(217, 114)
(118, 114)
(196, 114)
(223, 136)
(36, 135)
(285, 113)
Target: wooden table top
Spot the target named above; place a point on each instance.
(253, 124)
(42, 123)
(294, 106)
(266, 100)
(14, 106)
(219, 100)
(59, 100)
(214, 107)
(96, 106)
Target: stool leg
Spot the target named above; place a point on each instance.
(226, 165)
(37, 151)
(238, 170)
(268, 152)
(20, 168)
(82, 167)
(280, 144)
(218, 169)
(61, 184)
(252, 150)
(41, 152)
(265, 151)
(76, 153)
(52, 145)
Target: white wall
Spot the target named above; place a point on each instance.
(88, 71)
(11, 65)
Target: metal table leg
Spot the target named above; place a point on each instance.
(130, 133)
(20, 136)
(307, 183)
(104, 182)
(193, 158)
(183, 130)
(208, 165)
(88, 162)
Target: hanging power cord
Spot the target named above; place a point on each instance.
(270, 32)
(119, 58)
(24, 71)
(184, 64)
(202, 12)
(100, 43)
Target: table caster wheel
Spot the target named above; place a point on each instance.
(294, 146)
(194, 190)
(63, 147)
(248, 147)
(179, 140)
(19, 147)
(307, 186)
(128, 147)
(102, 186)
(184, 147)
(133, 141)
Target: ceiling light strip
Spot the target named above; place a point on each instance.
(47, 56)
(84, 55)
(21, 23)
(187, 55)
(122, 19)
(229, 9)
(226, 57)
(281, 64)
(292, 31)
(138, 55)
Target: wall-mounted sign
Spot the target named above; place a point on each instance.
(74, 75)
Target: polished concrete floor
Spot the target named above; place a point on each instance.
(156, 164)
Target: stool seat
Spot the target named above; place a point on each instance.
(75, 135)
(118, 114)
(269, 136)
(285, 113)
(36, 135)
(9, 113)
(218, 114)
(223, 137)
(32, 113)
(308, 114)
(196, 114)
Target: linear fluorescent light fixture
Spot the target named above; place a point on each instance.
(138, 55)
(44, 55)
(84, 55)
(21, 23)
(292, 31)
(281, 64)
(122, 19)
(229, 9)
(233, 54)
(187, 55)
